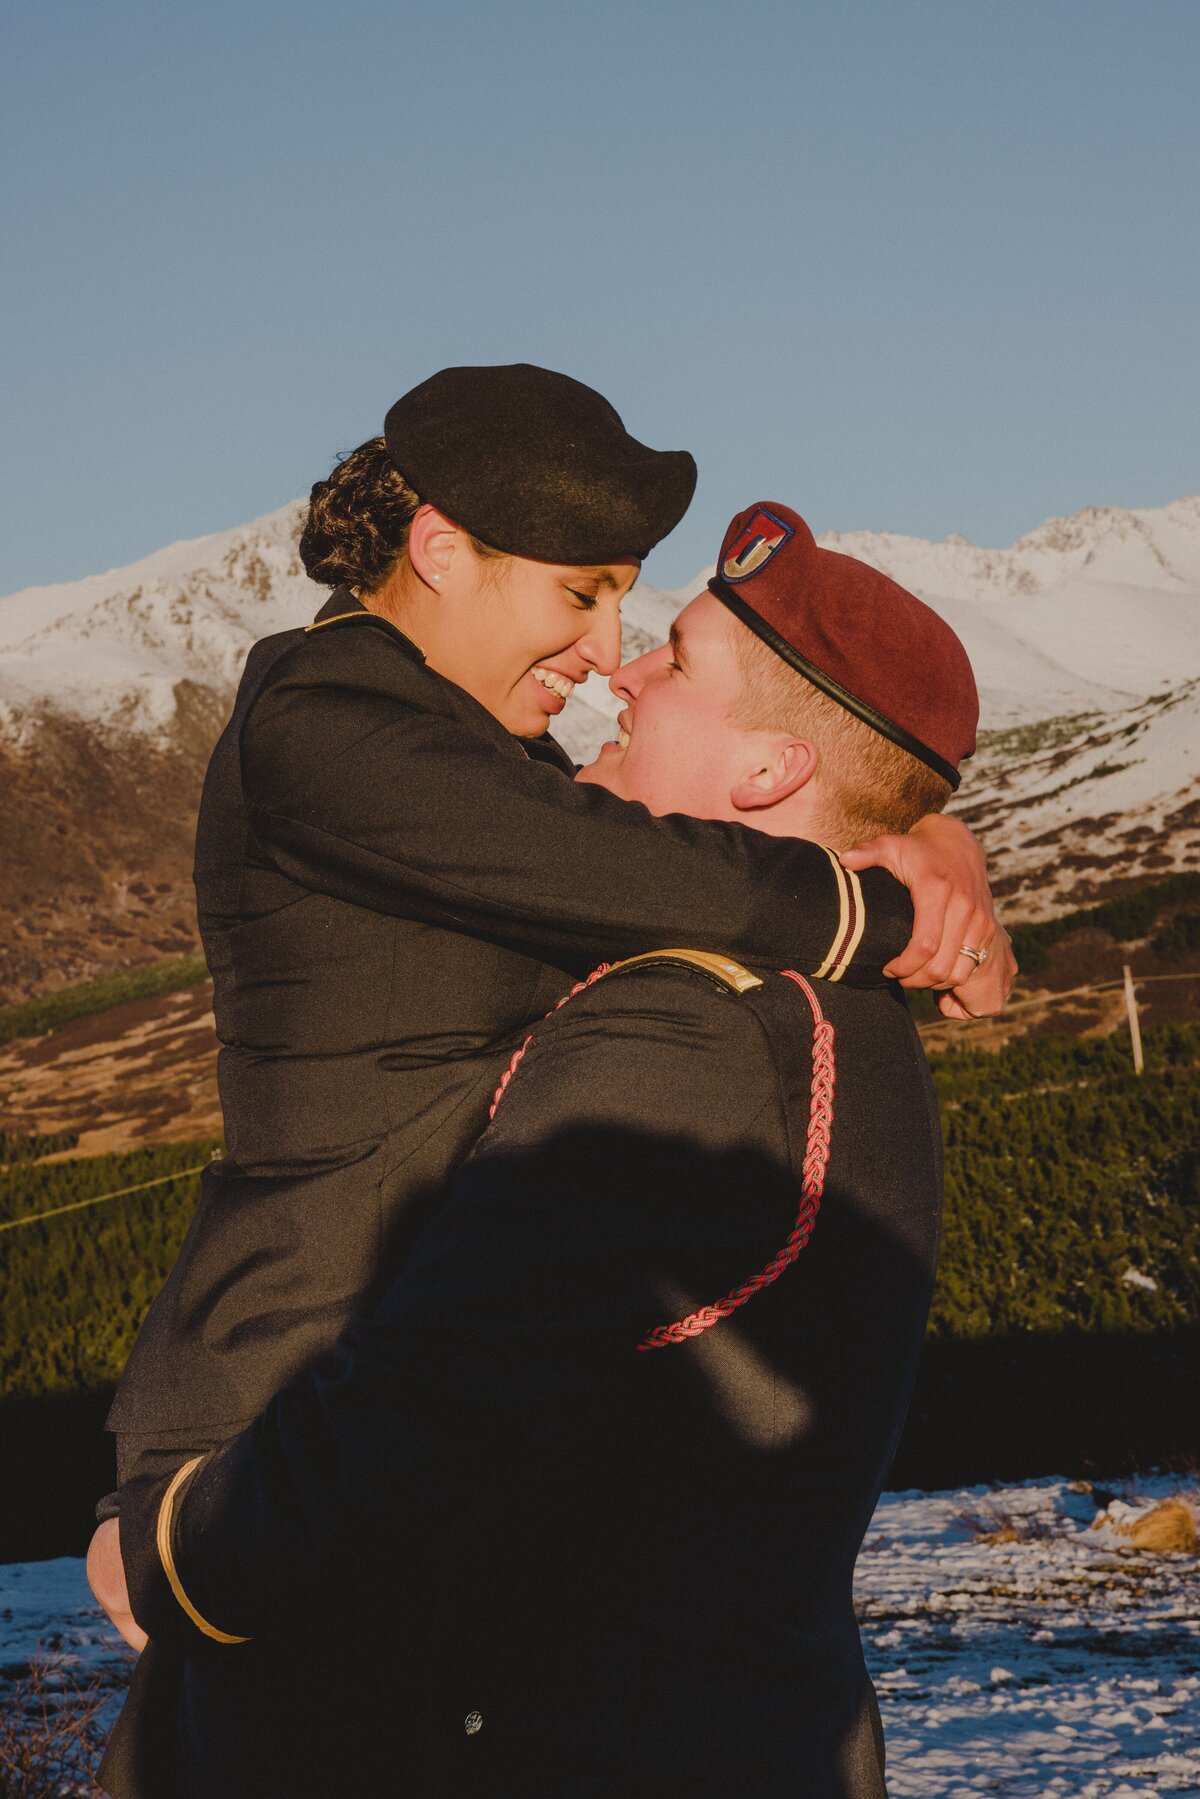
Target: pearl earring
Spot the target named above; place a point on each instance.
(437, 577)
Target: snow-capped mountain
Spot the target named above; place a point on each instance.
(111, 649)
(1095, 611)
(1085, 637)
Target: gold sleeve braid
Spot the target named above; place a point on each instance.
(166, 1513)
(852, 921)
(848, 934)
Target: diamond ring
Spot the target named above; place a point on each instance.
(978, 956)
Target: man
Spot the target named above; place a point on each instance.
(584, 1493)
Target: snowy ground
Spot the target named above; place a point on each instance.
(1061, 1661)
(1065, 1662)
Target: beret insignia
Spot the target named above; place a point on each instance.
(758, 540)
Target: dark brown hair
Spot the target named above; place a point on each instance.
(356, 528)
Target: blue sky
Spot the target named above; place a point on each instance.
(930, 265)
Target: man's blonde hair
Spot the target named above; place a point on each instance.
(868, 783)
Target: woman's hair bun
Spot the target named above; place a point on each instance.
(356, 528)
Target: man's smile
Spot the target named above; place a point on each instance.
(624, 727)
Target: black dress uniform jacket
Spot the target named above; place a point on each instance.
(567, 1567)
(390, 886)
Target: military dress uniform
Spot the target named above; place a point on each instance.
(582, 1496)
(390, 887)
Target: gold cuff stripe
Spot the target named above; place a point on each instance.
(858, 911)
(839, 935)
(730, 974)
(852, 921)
(166, 1557)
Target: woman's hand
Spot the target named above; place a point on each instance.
(942, 865)
(106, 1577)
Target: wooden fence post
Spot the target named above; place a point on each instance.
(1135, 1029)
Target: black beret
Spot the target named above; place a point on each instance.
(534, 463)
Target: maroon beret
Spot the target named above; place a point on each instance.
(856, 634)
(536, 464)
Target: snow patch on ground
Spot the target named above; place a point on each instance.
(1019, 1643)
(1061, 1661)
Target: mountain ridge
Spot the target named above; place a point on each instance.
(1085, 635)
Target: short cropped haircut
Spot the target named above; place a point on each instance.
(869, 784)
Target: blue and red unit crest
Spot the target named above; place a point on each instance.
(758, 540)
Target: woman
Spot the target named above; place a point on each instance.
(394, 878)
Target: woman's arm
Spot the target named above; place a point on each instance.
(362, 783)
(944, 867)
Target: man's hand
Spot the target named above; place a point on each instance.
(106, 1577)
(942, 865)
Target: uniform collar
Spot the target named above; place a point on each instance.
(342, 599)
(344, 602)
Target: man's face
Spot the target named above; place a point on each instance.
(679, 749)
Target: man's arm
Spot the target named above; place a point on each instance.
(625, 1169)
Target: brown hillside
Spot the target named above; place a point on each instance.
(142, 1073)
(96, 838)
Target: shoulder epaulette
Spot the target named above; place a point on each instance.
(360, 616)
(730, 975)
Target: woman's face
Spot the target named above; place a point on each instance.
(519, 635)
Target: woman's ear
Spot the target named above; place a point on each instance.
(432, 541)
(787, 766)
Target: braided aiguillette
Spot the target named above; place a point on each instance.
(812, 1184)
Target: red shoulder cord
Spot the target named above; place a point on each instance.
(812, 1184)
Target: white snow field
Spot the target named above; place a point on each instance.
(1060, 1663)
(1085, 637)
(1063, 1663)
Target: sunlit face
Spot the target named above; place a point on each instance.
(530, 631)
(679, 748)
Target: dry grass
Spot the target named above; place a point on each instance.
(51, 1735)
(1168, 1528)
(991, 1523)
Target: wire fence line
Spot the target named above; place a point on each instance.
(1139, 980)
(181, 1174)
(1052, 999)
(98, 1199)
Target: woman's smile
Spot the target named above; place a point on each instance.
(555, 687)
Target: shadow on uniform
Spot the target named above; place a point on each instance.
(987, 1409)
(633, 1566)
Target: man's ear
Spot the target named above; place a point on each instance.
(432, 541)
(787, 766)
